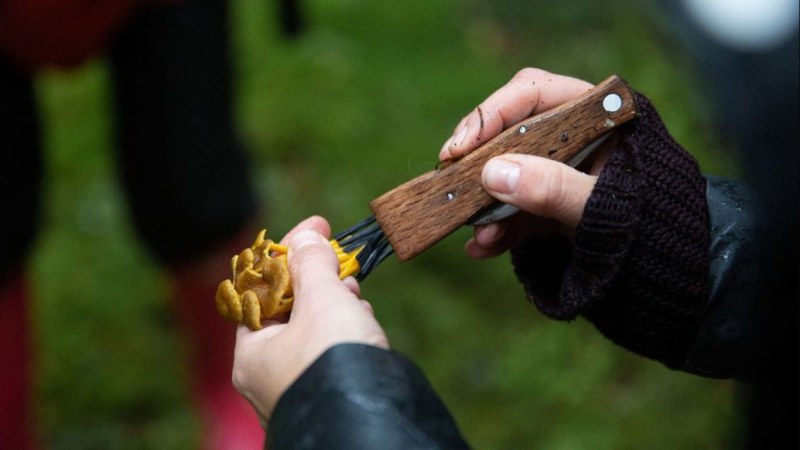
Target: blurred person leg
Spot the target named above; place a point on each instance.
(20, 176)
(187, 181)
(16, 377)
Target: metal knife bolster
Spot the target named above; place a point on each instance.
(422, 211)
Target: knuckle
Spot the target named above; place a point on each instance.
(312, 256)
(529, 73)
(546, 193)
(238, 379)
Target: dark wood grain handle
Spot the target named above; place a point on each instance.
(421, 212)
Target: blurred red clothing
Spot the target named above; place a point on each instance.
(35, 33)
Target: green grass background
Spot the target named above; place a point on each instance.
(361, 102)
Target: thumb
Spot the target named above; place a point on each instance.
(540, 186)
(313, 267)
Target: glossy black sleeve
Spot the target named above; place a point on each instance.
(726, 344)
(362, 397)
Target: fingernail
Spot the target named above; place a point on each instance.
(501, 176)
(459, 139)
(444, 153)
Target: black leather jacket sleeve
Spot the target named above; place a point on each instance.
(725, 345)
(358, 396)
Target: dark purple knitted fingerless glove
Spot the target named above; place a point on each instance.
(639, 265)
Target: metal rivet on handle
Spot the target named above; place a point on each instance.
(612, 103)
(523, 129)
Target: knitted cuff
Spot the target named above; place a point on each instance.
(639, 265)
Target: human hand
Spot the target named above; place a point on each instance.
(327, 311)
(551, 194)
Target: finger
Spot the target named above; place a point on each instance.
(353, 285)
(241, 332)
(487, 241)
(444, 153)
(269, 328)
(529, 92)
(495, 238)
(539, 186)
(316, 223)
(313, 268)
(368, 307)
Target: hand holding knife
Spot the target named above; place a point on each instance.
(415, 215)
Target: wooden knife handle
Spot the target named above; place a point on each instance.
(421, 212)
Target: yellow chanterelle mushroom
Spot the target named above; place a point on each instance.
(260, 287)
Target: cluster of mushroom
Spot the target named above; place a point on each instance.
(260, 287)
